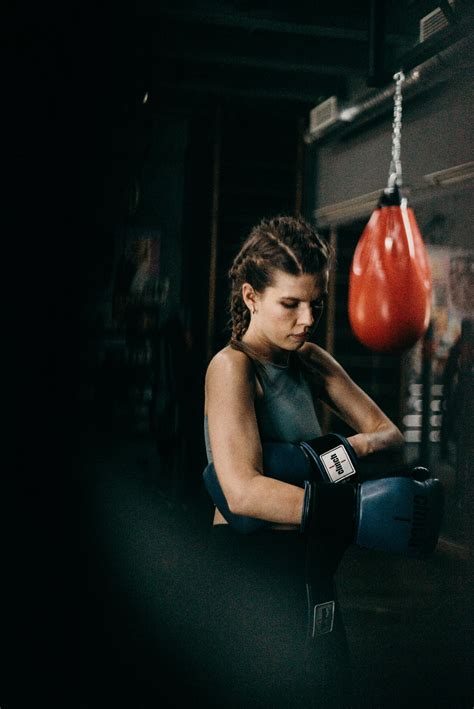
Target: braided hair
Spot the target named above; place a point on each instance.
(288, 244)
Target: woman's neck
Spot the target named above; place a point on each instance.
(265, 351)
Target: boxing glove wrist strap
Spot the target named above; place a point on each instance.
(329, 510)
(308, 492)
(332, 457)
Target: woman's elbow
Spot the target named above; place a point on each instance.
(398, 441)
(235, 502)
(239, 498)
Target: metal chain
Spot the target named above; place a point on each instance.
(395, 174)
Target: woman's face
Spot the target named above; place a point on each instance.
(286, 312)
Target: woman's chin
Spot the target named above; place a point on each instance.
(297, 342)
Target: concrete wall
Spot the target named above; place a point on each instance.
(436, 135)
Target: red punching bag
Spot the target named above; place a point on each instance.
(390, 277)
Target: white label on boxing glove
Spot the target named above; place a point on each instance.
(323, 619)
(337, 464)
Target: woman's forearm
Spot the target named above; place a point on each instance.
(384, 438)
(269, 499)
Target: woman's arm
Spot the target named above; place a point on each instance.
(375, 431)
(236, 445)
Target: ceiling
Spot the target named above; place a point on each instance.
(298, 52)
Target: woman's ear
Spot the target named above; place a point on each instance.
(249, 297)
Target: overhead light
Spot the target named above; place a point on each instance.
(348, 114)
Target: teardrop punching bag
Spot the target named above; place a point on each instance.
(390, 276)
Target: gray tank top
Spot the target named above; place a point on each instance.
(286, 411)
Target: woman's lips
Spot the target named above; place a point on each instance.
(300, 337)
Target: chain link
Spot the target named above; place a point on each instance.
(395, 174)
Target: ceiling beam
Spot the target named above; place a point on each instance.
(284, 65)
(251, 24)
(216, 89)
(239, 20)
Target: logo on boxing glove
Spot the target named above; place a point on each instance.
(323, 619)
(337, 464)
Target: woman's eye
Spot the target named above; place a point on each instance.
(316, 305)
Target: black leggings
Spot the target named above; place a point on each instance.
(270, 647)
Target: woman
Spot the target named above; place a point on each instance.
(263, 387)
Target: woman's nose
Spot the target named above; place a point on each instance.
(306, 317)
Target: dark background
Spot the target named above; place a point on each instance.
(88, 482)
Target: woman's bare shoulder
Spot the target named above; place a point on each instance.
(230, 363)
(318, 359)
(230, 381)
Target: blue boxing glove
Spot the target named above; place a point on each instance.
(397, 514)
(329, 458)
(400, 514)
(286, 462)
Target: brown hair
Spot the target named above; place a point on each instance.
(288, 244)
